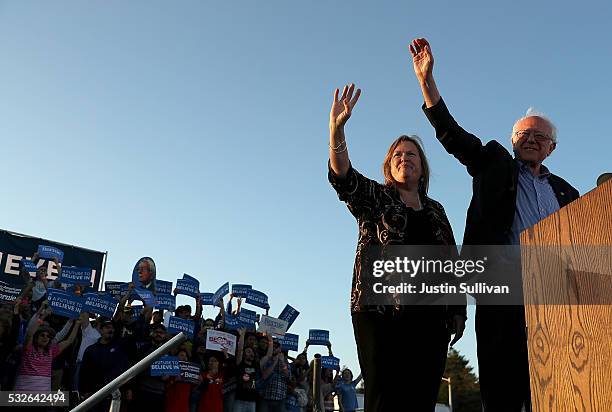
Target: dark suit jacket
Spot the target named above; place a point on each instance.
(495, 175)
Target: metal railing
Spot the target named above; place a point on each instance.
(113, 386)
(316, 383)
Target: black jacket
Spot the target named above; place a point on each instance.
(494, 184)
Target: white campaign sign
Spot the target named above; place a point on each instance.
(272, 326)
(217, 340)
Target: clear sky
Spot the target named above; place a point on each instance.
(195, 132)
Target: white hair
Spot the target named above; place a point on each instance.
(531, 112)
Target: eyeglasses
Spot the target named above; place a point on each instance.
(539, 136)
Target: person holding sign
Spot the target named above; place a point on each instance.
(393, 339)
(211, 388)
(246, 394)
(177, 391)
(275, 374)
(346, 390)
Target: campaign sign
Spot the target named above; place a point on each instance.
(64, 303)
(272, 326)
(318, 337)
(330, 362)
(289, 314)
(114, 288)
(137, 310)
(221, 292)
(144, 274)
(103, 305)
(257, 298)
(289, 341)
(176, 325)
(72, 275)
(190, 372)
(8, 293)
(247, 318)
(188, 286)
(166, 366)
(146, 296)
(241, 291)
(217, 340)
(163, 287)
(166, 302)
(231, 322)
(207, 299)
(29, 266)
(50, 252)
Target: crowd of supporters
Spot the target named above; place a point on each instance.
(42, 351)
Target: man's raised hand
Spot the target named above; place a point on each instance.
(342, 107)
(422, 59)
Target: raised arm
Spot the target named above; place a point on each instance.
(240, 347)
(65, 343)
(338, 116)
(423, 61)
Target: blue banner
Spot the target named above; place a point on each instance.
(103, 305)
(188, 286)
(166, 366)
(190, 372)
(289, 341)
(114, 288)
(50, 252)
(247, 318)
(318, 337)
(146, 296)
(176, 325)
(289, 314)
(241, 291)
(166, 302)
(231, 322)
(221, 292)
(72, 275)
(65, 303)
(29, 266)
(330, 362)
(8, 293)
(207, 299)
(163, 287)
(257, 298)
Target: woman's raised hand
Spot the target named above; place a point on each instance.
(342, 108)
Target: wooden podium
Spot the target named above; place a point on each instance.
(567, 284)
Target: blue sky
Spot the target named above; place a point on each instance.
(196, 132)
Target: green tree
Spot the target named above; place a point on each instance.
(465, 387)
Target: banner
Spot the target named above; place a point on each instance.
(318, 337)
(114, 288)
(165, 302)
(190, 372)
(272, 326)
(144, 273)
(221, 292)
(65, 303)
(247, 319)
(176, 325)
(8, 293)
(72, 275)
(166, 366)
(189, 286)
(257, 298)
(289, 341)
(289, 314)
(163, 287)
(103, 305)
(14, 247)
(50, 252)
(217, 340)
(231, 322)
(241, 291)
(330, 362)
(207, 299)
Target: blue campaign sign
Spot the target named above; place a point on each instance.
(207, 299)
(29, 266)
(114, 288)
(318, 337)
(50, 252)
(188, 286)
(72, 275)
(166, 366)
(330, 362)
(241, 291)
(101, 304)
(247, 318)
(289, 314)
(257, 298)
(146, 296)
(166, 302)
(231, 322)
(64, 303)
(163, 287)
(221, 292)
(176, 325)
(289, 341)
(137, 310)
